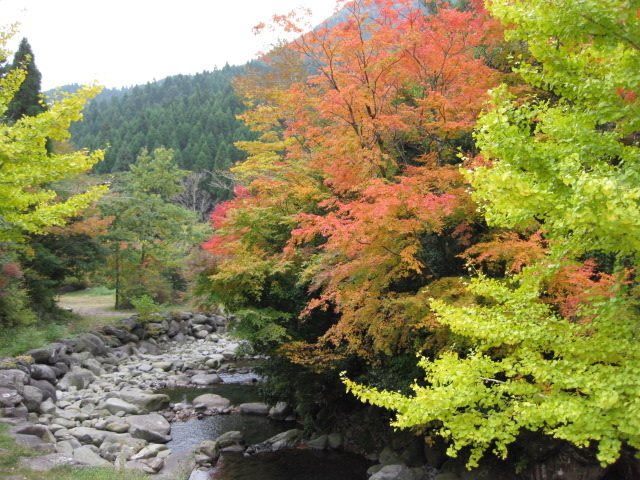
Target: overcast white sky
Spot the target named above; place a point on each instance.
(129, 42)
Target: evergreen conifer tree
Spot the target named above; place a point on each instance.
(27, 99)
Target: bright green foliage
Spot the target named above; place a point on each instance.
(27, 203)
(150, 236)
(569, 160)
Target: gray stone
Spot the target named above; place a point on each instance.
(154, 465)
(210, 449)
(211, 401)
(199, 319)
(146, 401)
(43, 372)
(394, 472)
(37, 430)
(214, 361)
(48, 356)
(289, 439)
(174, 329)
(227, 439)
(9, 397)
(47, 389)
(162, 365)
(118, 427)
(201, 334)
(280, 411)
(206, 379)
(77, 377)
(389, 457)
(87, 456)
(335, 441)
(44, 463)
(34, 443)
(254, 408)
(115, 405)
(153, 421)
(147, 347)
(93, 366)
(32, 398)
(319, 443)
(13, 379)
(48, 407)
(149, 435)
(88, 436)
(149, 451)
(19, 411)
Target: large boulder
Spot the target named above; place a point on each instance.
(13, 379)
(43, 372)
(78, 378)
(9, 397)
(211, 401)
(152, 421)
(32, 398)
(153, 428)
(146, 401)
(47, 356)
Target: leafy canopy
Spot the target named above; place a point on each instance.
(567, 159)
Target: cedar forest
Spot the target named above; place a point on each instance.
(432, 207)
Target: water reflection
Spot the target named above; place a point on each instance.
(299, 464)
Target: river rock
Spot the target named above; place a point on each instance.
(115, 405)
(394, 472)
(88, 435)
(9, 397)
(44, 463)
(215, 361)
(93, 366)
(206, 379)
(13, 379)
(146, 401)
(43, 372)
(211, 401)
(34, 443)
(319, 443)
(254, 408)
(87, 456)
(153, 422)
(149, 451)
(335, 440)
(227, 439)
(47, 356)
(32, 398)
(149, 348)
(280, 411)
(289, 439)
(78, 378)
(47, 389)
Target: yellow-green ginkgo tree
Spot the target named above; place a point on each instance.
(568, 160)
(28, 204)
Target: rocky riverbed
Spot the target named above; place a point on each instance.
(91, 401)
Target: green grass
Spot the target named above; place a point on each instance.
(94, 291)
(17, 340)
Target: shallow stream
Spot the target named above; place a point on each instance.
(296, 464)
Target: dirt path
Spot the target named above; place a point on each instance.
(92, 305)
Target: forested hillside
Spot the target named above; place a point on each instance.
(195, 115)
